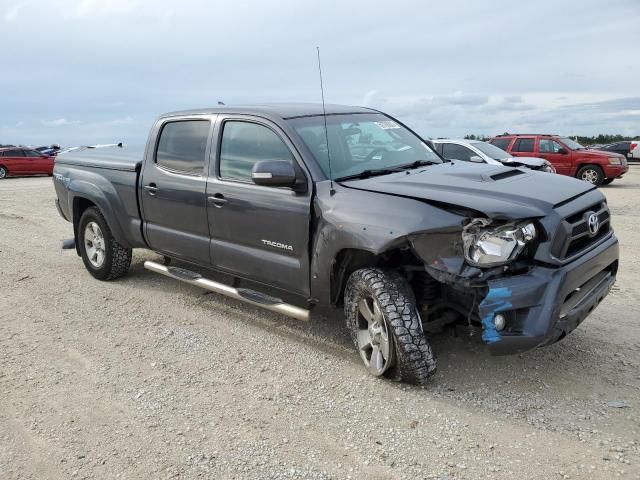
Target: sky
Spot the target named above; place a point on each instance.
(77, 72)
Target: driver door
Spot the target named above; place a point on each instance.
(257, 232)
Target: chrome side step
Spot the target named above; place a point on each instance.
(250, 296)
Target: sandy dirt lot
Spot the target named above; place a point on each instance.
(149, 378)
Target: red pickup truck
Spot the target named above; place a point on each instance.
(568, 157)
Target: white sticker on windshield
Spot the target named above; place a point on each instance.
(387, 124)
(402, 149)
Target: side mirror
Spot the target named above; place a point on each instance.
(274, 173)
(563, 151)
(476, 159)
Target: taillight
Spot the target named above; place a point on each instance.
(633, 146)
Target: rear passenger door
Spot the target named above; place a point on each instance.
(15, 161)
(172, 188)
(257, 232)
(523, 147)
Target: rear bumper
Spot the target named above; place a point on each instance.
(546, 304)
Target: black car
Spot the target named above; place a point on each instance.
(623, 148)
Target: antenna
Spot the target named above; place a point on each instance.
(324, 115)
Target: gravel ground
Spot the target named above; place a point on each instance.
(146, 377)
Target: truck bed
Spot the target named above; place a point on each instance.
(125, 158)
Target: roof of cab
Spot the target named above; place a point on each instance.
(281, 110)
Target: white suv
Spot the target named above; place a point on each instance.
(483, 152)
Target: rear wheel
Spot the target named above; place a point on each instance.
(3, 173)
(607, 181)
(102, 255)
(592, 174)
(380, 311)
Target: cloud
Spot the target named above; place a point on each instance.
(59, 122)
(11, 14)
(88, 8)
(453, 77)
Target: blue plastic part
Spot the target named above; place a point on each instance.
(497, 300)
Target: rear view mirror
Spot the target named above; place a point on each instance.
(274, 173)
(476, 159)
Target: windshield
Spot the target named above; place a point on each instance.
(571, 144)
(359, 142)
(491, 151)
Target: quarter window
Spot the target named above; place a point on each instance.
(182, 146)
(244, 144)
(452, 151)
(523, 145)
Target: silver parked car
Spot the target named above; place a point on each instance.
(483, 152)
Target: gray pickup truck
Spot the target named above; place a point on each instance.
(348, 209)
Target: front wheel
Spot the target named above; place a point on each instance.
(380, 311)
(592, 174)
(102, 255)
(3, 173)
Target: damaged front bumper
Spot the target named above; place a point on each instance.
(545, 304)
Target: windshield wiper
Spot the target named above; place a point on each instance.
(418, 163)
(369, 173)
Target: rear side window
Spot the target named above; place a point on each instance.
(523, 145)
(182, 146)
(452, 151)
(13, 153)
(502, 143)
(244, 144)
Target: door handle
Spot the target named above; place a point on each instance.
(151, 189)
(218, 200)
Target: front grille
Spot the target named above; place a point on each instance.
(574, 235)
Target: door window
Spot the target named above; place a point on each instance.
(32, 153)
(452, 151)
(182, 146)
(244, 144)
(548, 146)
(523, 145)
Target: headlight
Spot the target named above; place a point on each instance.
(614, 161)
(548, 168)
(487, 246)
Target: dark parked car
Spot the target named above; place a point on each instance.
(24, 161)
(622, 148)
(351, 210)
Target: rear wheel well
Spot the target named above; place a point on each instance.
(349, 260)
(80, 204)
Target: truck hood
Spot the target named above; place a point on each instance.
(498, 192)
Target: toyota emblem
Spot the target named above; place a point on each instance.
(594, 224)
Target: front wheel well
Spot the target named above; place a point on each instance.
(349, 260)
